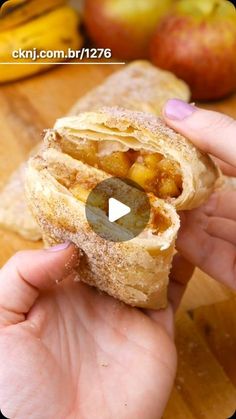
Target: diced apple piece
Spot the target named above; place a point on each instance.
(170, 167)
(142, 175)
(117, 164)
(86, 152)
(168, 188)
(99, 200)
(79, 192)
(152, 160)
(172, 170)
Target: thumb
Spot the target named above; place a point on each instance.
(28, 272)
(211, 132)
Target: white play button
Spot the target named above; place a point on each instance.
(116, 210)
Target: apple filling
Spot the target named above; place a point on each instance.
(80, 184)
(152, 171)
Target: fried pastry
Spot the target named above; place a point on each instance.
(138, 86)
(84, 150)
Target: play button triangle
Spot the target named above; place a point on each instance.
(117, 209)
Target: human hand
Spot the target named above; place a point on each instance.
(68, 351)
(208, 234)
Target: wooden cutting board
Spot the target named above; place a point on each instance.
(206, 322)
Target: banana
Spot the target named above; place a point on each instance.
(57, 30)
(16, 12)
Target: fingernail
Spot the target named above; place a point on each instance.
(59, 247)
(178, 109)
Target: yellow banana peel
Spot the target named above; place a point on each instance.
(17, 12)
(56, 30)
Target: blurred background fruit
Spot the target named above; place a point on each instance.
(197, 42)
(13, 15)
(195, 39)
(125, 26)
(45, 26)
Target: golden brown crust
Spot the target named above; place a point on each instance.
(138, 86)
(140, 130)
(135, 272)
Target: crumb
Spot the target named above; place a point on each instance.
(74, 260)
(76, 277)
(104, 364)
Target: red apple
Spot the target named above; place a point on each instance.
(197, 42)
(124, 26)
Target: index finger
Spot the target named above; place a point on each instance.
(211, 132)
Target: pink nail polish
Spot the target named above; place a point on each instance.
(59, 247)
(178, 110)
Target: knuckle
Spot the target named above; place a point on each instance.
(220, 123)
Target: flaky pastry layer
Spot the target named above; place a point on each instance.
(137, 86)
(136, 271)
(138, 130)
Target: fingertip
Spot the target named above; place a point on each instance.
(46, 267)
(29, 272)
(210, 131)
(64, 259)
(59, 247)
(178, 110)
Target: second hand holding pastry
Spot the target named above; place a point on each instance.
(208, 234)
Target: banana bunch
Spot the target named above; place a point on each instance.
(16, 12)
(49, 26)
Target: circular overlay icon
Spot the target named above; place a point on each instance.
(117, 209)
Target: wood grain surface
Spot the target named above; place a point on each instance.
(205, 386)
